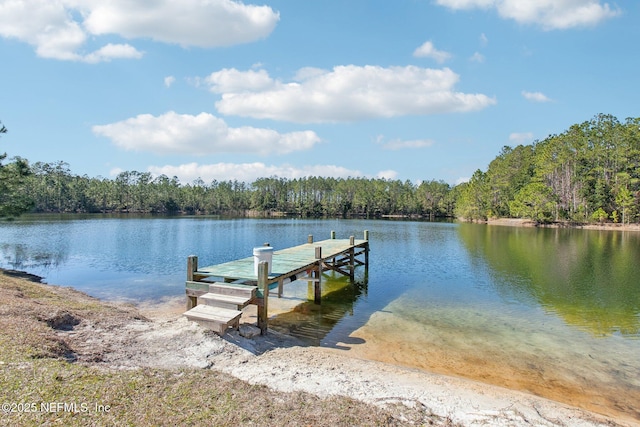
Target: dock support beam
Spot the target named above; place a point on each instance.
(366, 250)
(263, 284)
(192, 267)
(352, 259)
(317, 290)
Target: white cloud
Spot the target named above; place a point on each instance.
(521, 138)
(387, 174)
(209, 23)
(44, 24)
(169, 81)
(60, 29)
(484, 40)
(462, 180)
(347, 93)
(477, 57)
(535, 96)
(248, 172)
(204, 134)
(549, 14)
(113, 51)
(428, 50)
(232, 80)
(116, 171)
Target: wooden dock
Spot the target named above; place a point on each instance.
(233, 285)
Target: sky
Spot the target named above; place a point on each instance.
(223, 90)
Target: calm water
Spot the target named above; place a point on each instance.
(549, 311)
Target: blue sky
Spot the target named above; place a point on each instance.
(217, 89)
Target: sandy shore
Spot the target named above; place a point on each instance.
(114, 336)
(607, 226)
(285, 364)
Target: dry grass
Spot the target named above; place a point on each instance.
(37, 373)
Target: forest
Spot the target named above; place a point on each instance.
(589, 173)
(53, 188)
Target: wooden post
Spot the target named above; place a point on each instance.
(366, 250)
(310, 239)
(352, 261)
(317, 292)
(192, 267)
(263, 283)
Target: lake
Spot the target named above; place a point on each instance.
(554, 312)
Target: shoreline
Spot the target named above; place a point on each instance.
(520, 222)
(157, 336)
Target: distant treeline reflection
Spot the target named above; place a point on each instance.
(587, 278)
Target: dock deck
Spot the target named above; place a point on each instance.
(287, 262)
(306, 261)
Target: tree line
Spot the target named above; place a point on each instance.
(53, 188)
(589, 173)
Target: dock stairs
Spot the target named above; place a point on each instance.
(221, 307)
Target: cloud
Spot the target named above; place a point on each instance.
(387, 174)
(248, 172)
(549, 14)
(521, 138)
(484, 40)
(113, 51)
(428, 50)
(60, 29)
(535, 96)
(204, 134)
(232, 80)
(398, 144)
(209, 23)
(345, 94)
(169, 81)
(477, 57)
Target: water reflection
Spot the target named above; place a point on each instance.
(312, 322)
(589, 278)
(21, 257)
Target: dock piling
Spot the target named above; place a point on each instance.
(192, 267)
(366, 250)
(263, 284)
(317, 290)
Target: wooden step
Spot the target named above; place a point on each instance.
(234, 289)
(217, 319)
(233, 302)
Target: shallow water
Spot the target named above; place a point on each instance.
(552, 312)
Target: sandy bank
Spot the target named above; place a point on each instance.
(519, 222)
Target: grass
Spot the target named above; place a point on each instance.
(43, 386)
